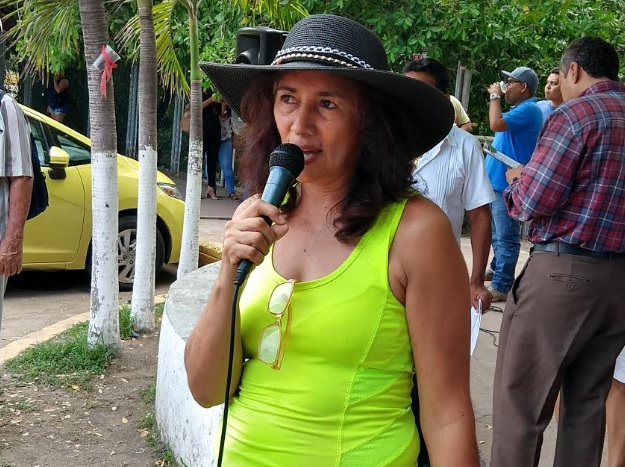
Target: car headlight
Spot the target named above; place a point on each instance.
(170, 189)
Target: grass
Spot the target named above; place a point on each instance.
(67, 360)
(153, 439)
(148, 395)
(21, 406)
(126, 324)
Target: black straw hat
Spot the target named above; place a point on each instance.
(342, 46)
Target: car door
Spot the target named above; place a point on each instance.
(53, 238)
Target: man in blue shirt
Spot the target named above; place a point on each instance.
(516, 133)
(553, 95)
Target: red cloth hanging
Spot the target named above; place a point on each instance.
(109, 65)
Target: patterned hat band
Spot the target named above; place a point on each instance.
(324, 54)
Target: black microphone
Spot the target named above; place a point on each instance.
(286, 162)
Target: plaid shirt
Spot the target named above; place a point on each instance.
(573, 188)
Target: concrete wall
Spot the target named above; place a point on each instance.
(187, 428)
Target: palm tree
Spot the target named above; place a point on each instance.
(189, 252)
(143, 287)
(104, 303)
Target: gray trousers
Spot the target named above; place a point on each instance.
(562, 329)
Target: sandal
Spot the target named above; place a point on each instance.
(234, 196)
(210, 193)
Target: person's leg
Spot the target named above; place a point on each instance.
(540, 329)
(212, 152)
(507, 245)
(615, 415)
(225, 161)
(589, 371)
(494, 237)
(585, 387)
(59, 117)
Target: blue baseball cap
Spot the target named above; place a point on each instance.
(525, 75)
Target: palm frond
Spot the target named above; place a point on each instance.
(46, 30)
(169, 68)
(282, 14)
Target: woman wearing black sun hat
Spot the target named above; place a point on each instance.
(351, 290)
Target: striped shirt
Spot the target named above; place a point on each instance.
(15, 157)
(573, 188)
(453, 176)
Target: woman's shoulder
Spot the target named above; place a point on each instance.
(423, 216)
(423, 227)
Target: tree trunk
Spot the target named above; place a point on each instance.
(143, 287)
(190, 231)
(104, 303)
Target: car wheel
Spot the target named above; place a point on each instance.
(126, 244)
(126, 251)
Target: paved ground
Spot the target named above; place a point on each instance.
(214, 215)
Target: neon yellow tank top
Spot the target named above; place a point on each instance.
(342, 395)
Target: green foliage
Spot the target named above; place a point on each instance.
(47, 31)
(126, 323)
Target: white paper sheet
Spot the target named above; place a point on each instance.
(476, 321)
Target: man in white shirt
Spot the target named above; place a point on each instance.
(452, 175)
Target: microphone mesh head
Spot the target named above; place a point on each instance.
(288, 156)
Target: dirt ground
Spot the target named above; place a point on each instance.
(44, 426)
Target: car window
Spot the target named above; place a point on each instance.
(79, 153)
(42, 150)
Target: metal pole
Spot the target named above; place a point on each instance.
(132, 130)
(459, 76)
(3, 60)
(466, 88)
(176, 140)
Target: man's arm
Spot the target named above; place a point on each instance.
(60, 85)
(480, 223)
(462, 118)
(546, 181)
(467, 127)
(12, 245)
(495, 114)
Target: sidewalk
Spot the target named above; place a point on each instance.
(221, 208)
(214, 213)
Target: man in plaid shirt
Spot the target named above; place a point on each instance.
(564, 323)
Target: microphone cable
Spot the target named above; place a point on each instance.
(286, 162)
(224, 424)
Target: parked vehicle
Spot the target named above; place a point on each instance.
(60, 237)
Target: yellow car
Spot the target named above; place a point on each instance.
(60, 237)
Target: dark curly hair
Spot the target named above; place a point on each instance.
(382, 175)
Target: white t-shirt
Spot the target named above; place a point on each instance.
(452, 174)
